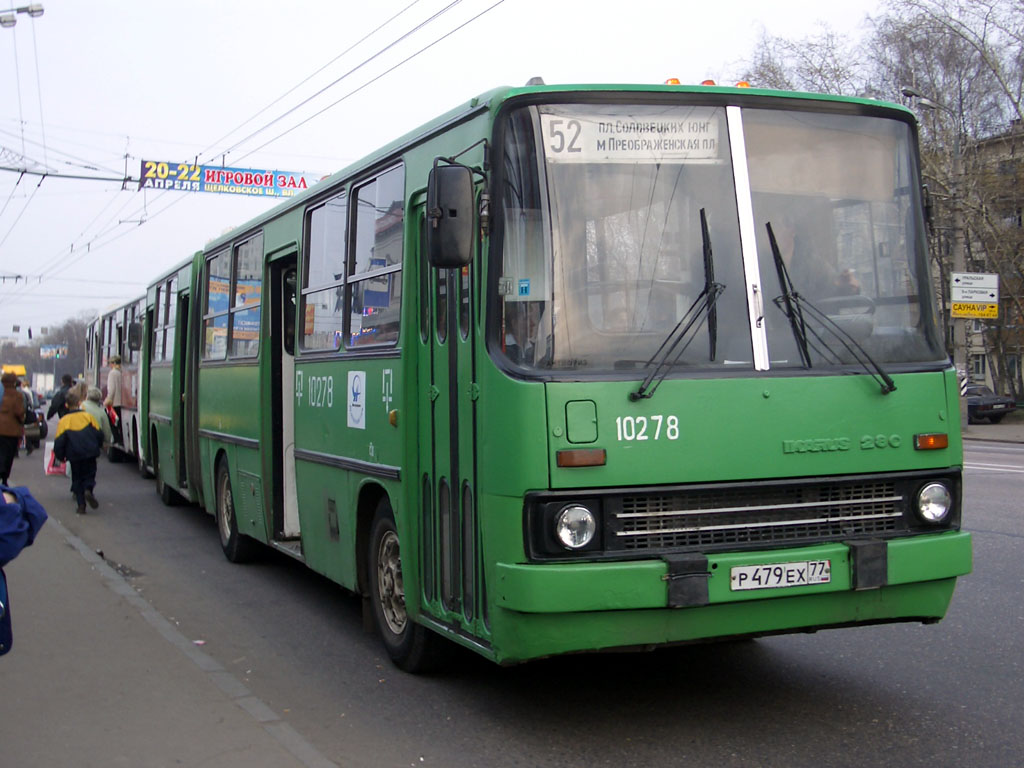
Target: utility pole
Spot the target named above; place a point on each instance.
(959, 233)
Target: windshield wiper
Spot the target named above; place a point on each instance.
(685, 331)
(709, 283)
(793, 305)
(789, 298)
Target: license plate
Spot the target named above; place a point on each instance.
(998, 407)
(780, 575)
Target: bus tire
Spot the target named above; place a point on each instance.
(411, 646)
(162, 491)
(167, 495)
(237, 547)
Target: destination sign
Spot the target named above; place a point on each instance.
(581, 138)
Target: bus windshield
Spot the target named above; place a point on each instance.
(626, 225)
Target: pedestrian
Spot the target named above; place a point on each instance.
(93, 405)
(31, 417)
(79, 441)
(57, 405)
(12, 424)
(115, 397)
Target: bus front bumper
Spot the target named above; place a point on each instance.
(643, 584)
(544, 610)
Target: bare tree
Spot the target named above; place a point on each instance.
(824, 62)
(967, 58)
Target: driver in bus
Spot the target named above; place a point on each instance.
(806, 252)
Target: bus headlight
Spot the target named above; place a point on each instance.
(575, 526)
(934, 502)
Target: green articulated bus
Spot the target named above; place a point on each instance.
(575, 368)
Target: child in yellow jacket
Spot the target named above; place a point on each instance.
(79, 441)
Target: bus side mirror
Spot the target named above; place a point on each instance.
(135, 336)
(450, 216)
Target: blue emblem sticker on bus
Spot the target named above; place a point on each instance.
(524, 287)
(356, 399)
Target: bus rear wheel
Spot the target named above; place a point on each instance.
(237, 547)
(410, 646)
(167, 496)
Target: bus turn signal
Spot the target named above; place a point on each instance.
(931, 442)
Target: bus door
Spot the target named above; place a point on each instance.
(181, 363)
(447, 400)
(282, 339)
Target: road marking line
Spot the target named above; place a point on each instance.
(994, 467)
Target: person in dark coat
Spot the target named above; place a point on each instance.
(12, 424)
(79, 441)
(58, 406)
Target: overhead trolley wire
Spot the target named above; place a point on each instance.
(23, 209)
(375, 79)
(402, 37)
(13, 190)
(352, 71)
(39, 92)
(305, 80)
(309, 77)
(67, 259)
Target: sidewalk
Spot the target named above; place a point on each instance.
(97, 677)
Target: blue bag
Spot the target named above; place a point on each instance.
(6, 637)
(20, 521)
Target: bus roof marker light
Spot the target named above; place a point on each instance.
(708, 82)
(673, 81)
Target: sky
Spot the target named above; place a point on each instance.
(94, 87)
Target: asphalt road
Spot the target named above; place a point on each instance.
(907, 695)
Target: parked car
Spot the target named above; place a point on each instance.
(985, 405)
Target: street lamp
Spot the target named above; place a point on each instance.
(9, 17)
(959, 326)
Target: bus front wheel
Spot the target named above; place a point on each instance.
(411, 646)
(237, 547)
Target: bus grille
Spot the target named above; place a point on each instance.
(765, 516)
